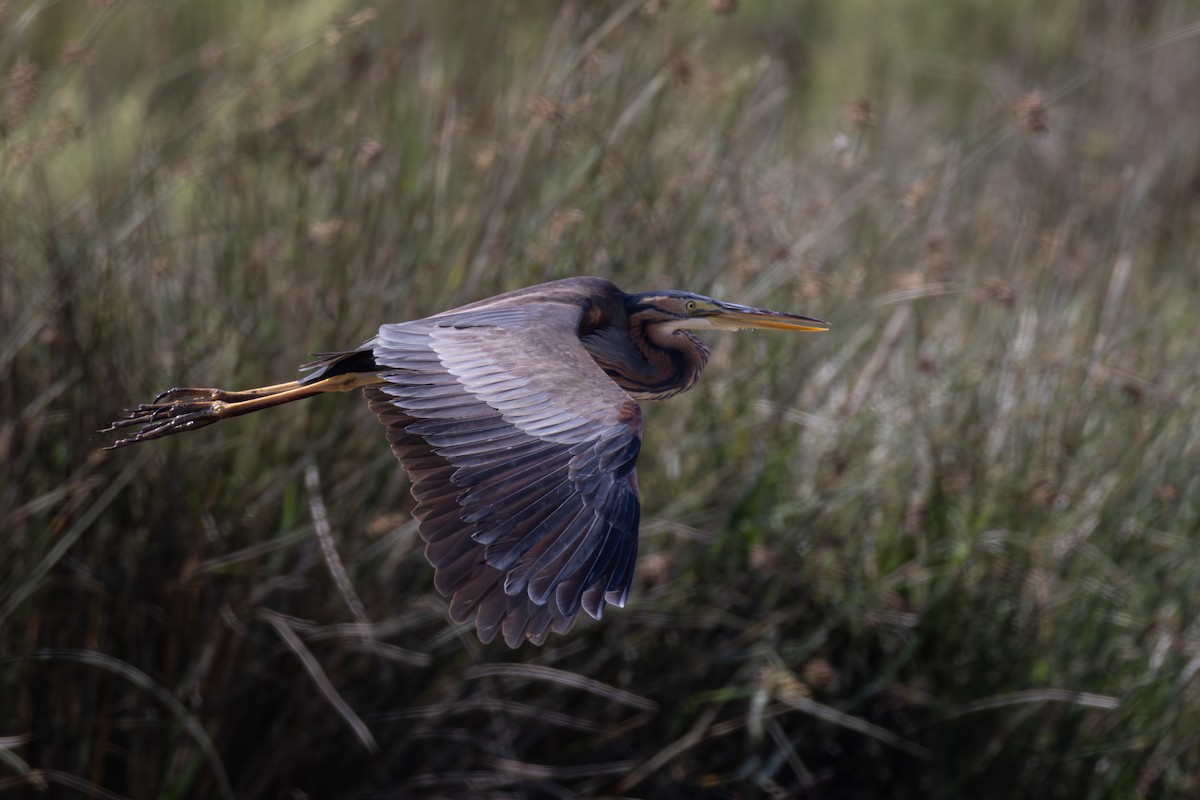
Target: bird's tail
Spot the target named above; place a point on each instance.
(329, 365)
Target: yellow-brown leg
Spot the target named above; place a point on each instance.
(189, 408)
(206, 393)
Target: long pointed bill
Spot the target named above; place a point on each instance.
(731, 316)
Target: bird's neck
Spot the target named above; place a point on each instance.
(646, 361)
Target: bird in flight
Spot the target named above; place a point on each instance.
(517, 421)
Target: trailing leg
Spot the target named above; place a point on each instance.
(190, 408)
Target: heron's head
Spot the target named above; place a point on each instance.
(670, 310)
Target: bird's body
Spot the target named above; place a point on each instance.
(670, 365)
(516, 418)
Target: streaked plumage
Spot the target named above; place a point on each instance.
(516, 420)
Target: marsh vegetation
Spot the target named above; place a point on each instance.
(948, 549)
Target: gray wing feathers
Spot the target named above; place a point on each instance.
(521, 452)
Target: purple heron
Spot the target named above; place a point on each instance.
(516, 419)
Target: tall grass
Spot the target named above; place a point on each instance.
(948, 549)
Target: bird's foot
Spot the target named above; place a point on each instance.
(173, 411)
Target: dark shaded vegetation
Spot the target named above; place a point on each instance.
(948, 549)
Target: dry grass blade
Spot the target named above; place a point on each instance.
(563, 678)
(733, 725)
(323, 684)
(32, 779)
(871, 373)
(254, 551)
(602, 32)
(497, 705)
(392, 652)
(520, 770)
(329, 551)
(789, 751)
(660, 759)
(21, 336)
(843, 210)
(13, 742)
(635, 107)
(11, 759)
(1118, 286)
(143, 681)
(65, 542)
(43, 778)
(850, 722)
(1037, 696)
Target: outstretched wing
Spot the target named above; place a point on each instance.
(521, 452)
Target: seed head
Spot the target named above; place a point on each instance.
(368, 152)
(1031, 111)
(858, 114)
(22, 91)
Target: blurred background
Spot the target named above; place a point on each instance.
(947, 549)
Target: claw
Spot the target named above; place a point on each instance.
(163, 419)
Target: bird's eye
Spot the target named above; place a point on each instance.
(690, 305)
